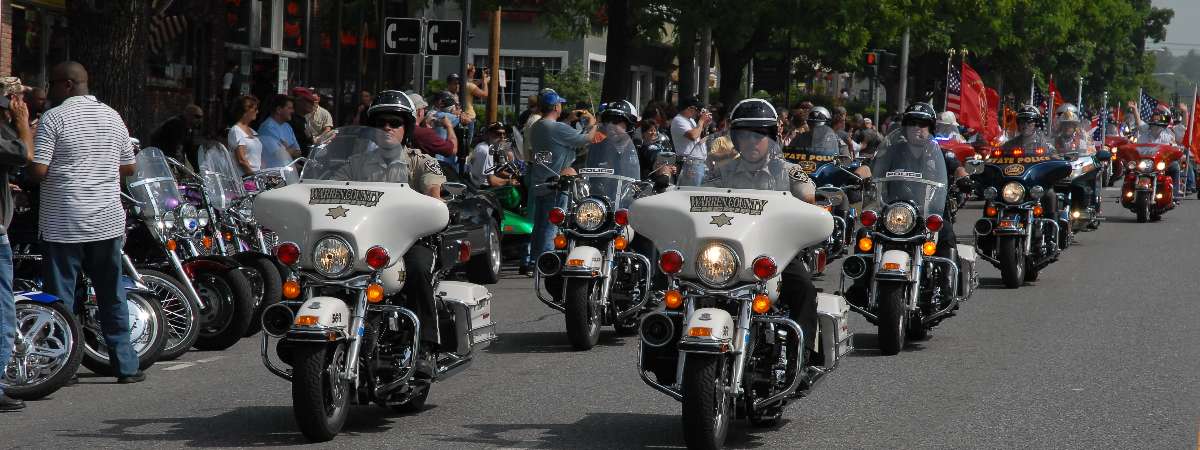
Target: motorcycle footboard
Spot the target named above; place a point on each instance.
(834, 336)
(471, 305)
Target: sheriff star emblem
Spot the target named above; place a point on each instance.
(721, 220)
(337, 212)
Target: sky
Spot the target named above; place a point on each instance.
(1182, 32)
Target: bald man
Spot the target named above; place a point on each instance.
(177, 136)
(81, 150)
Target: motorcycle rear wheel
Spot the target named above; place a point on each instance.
(148, 343)
(893, 319)
(583, 325)
(268, 288)
(59, 332)
(320, 398)
(707, 406)
(1012, 262)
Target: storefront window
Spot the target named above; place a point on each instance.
(266, 14)
(294, 25)
(39, 40)
(237, 19)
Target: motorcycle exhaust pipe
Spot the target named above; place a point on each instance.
(983, 227)
(854, 267)
(549, 264)
(277, 320)
(657, 329)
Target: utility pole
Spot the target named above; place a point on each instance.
(463, 96)
(494, 55)
(705, 62)
(903, 71)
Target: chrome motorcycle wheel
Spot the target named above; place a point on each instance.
(181, 313)
(146, 333)
(707, 404)
(46, 353)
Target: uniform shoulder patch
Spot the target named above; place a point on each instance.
(796, 173)
(431, 165)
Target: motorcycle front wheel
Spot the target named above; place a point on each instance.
(180, 310)
(707, 404)
(1141, 206)
(266, 285)
(147, 334)
(320, 398)
(893, 318)
(1011, 256)
(583, 325)
(229, 306)
(48, 356)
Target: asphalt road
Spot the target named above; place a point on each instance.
(1100, 353)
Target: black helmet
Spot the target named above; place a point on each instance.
(620, 110)
(819, 116)
(754, 113)
(1160, 117)
(920, 114)
(1029, 113)
(391, 102)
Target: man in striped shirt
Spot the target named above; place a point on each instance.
(81, 152)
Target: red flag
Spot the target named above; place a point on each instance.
(1055, 98)
(991, 131)
(973, 111)
(1193, 128)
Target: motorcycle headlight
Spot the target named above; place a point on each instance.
(1145, 165)
(716, 265)
(900, 218)
(202, 217)
(332, 256)
(1013, 192)
(990, 193)
(1161, 165)
(188, 217)
(590, 215)
(167, 222)
(1130, 165)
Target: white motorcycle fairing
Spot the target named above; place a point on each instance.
(391, 215)
(751, 222)
(583, 261)
(707, 330)
(331, 314)
(472, 308)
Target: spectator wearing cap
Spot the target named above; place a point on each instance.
(555, 146)
(425, 136)
(482, 163)
(687, 136)
(16, 145)
(317, 119)
(277, 134)
(177, 136)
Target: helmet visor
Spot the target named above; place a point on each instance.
(755, 144)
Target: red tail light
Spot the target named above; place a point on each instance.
(287, 253)
(868, 218)
(377, 257)
(621, 217)
(557, 216)
(464, 251)
(764, 267)
(933, 223)
(670, 261)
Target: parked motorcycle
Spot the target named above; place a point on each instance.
(1148, 190)
(723, 343)
(592, 276)
(47, 351)
(1016, 233)
(901, 284)
(344, 327)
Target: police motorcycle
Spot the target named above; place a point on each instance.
(592, 275)
(1019, 232)
(1079, 193)
(166, 242)
(723, 342)
(343, 332)
(907, 274)
(47, 350)
(817, 152)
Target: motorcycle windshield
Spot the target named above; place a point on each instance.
(222, 181)
(153, 184)
(611, 167)
(357, 153)
(813, 150)
(911, 172)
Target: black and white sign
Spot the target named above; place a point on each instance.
(443, 38)
(401, 36)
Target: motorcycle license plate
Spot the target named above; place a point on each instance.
(1145, 183)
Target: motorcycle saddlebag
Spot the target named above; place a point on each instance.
(967, 277)
(471, 305)
(833, 317)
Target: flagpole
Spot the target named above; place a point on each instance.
(1191, 115)
(1137, 110)
(1050, 110)
(946, 93)
(1032, 82)
(1104, 121)
(1079, 98)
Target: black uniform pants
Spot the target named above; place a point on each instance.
(418, 291)
(800, 295)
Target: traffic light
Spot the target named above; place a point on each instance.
(872, 61)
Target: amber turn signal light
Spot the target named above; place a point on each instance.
(761, 304)
(865, 244)
(673, 299)
(306, 321)
(291, 289)
(560, 242)
(374, 293)
(172, 245)
(620, 242)
(928, 248)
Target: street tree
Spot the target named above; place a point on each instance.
(109, 38)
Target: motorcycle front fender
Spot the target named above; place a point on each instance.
(322, 319)
(708, 330)
(583, 262)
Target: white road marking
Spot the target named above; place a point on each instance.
(208, 360)
(180, 366)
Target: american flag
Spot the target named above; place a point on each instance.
(1039, 99)
(954, 89)
(1101, 121)
(1146, 106)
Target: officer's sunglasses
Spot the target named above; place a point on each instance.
(389, 122)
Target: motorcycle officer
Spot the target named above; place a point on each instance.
(754, 130)
(1069, 135)
(397, 160)
(1030, 137)
(1157, 131)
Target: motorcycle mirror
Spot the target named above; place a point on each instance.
(454, 188)
(974, 166)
